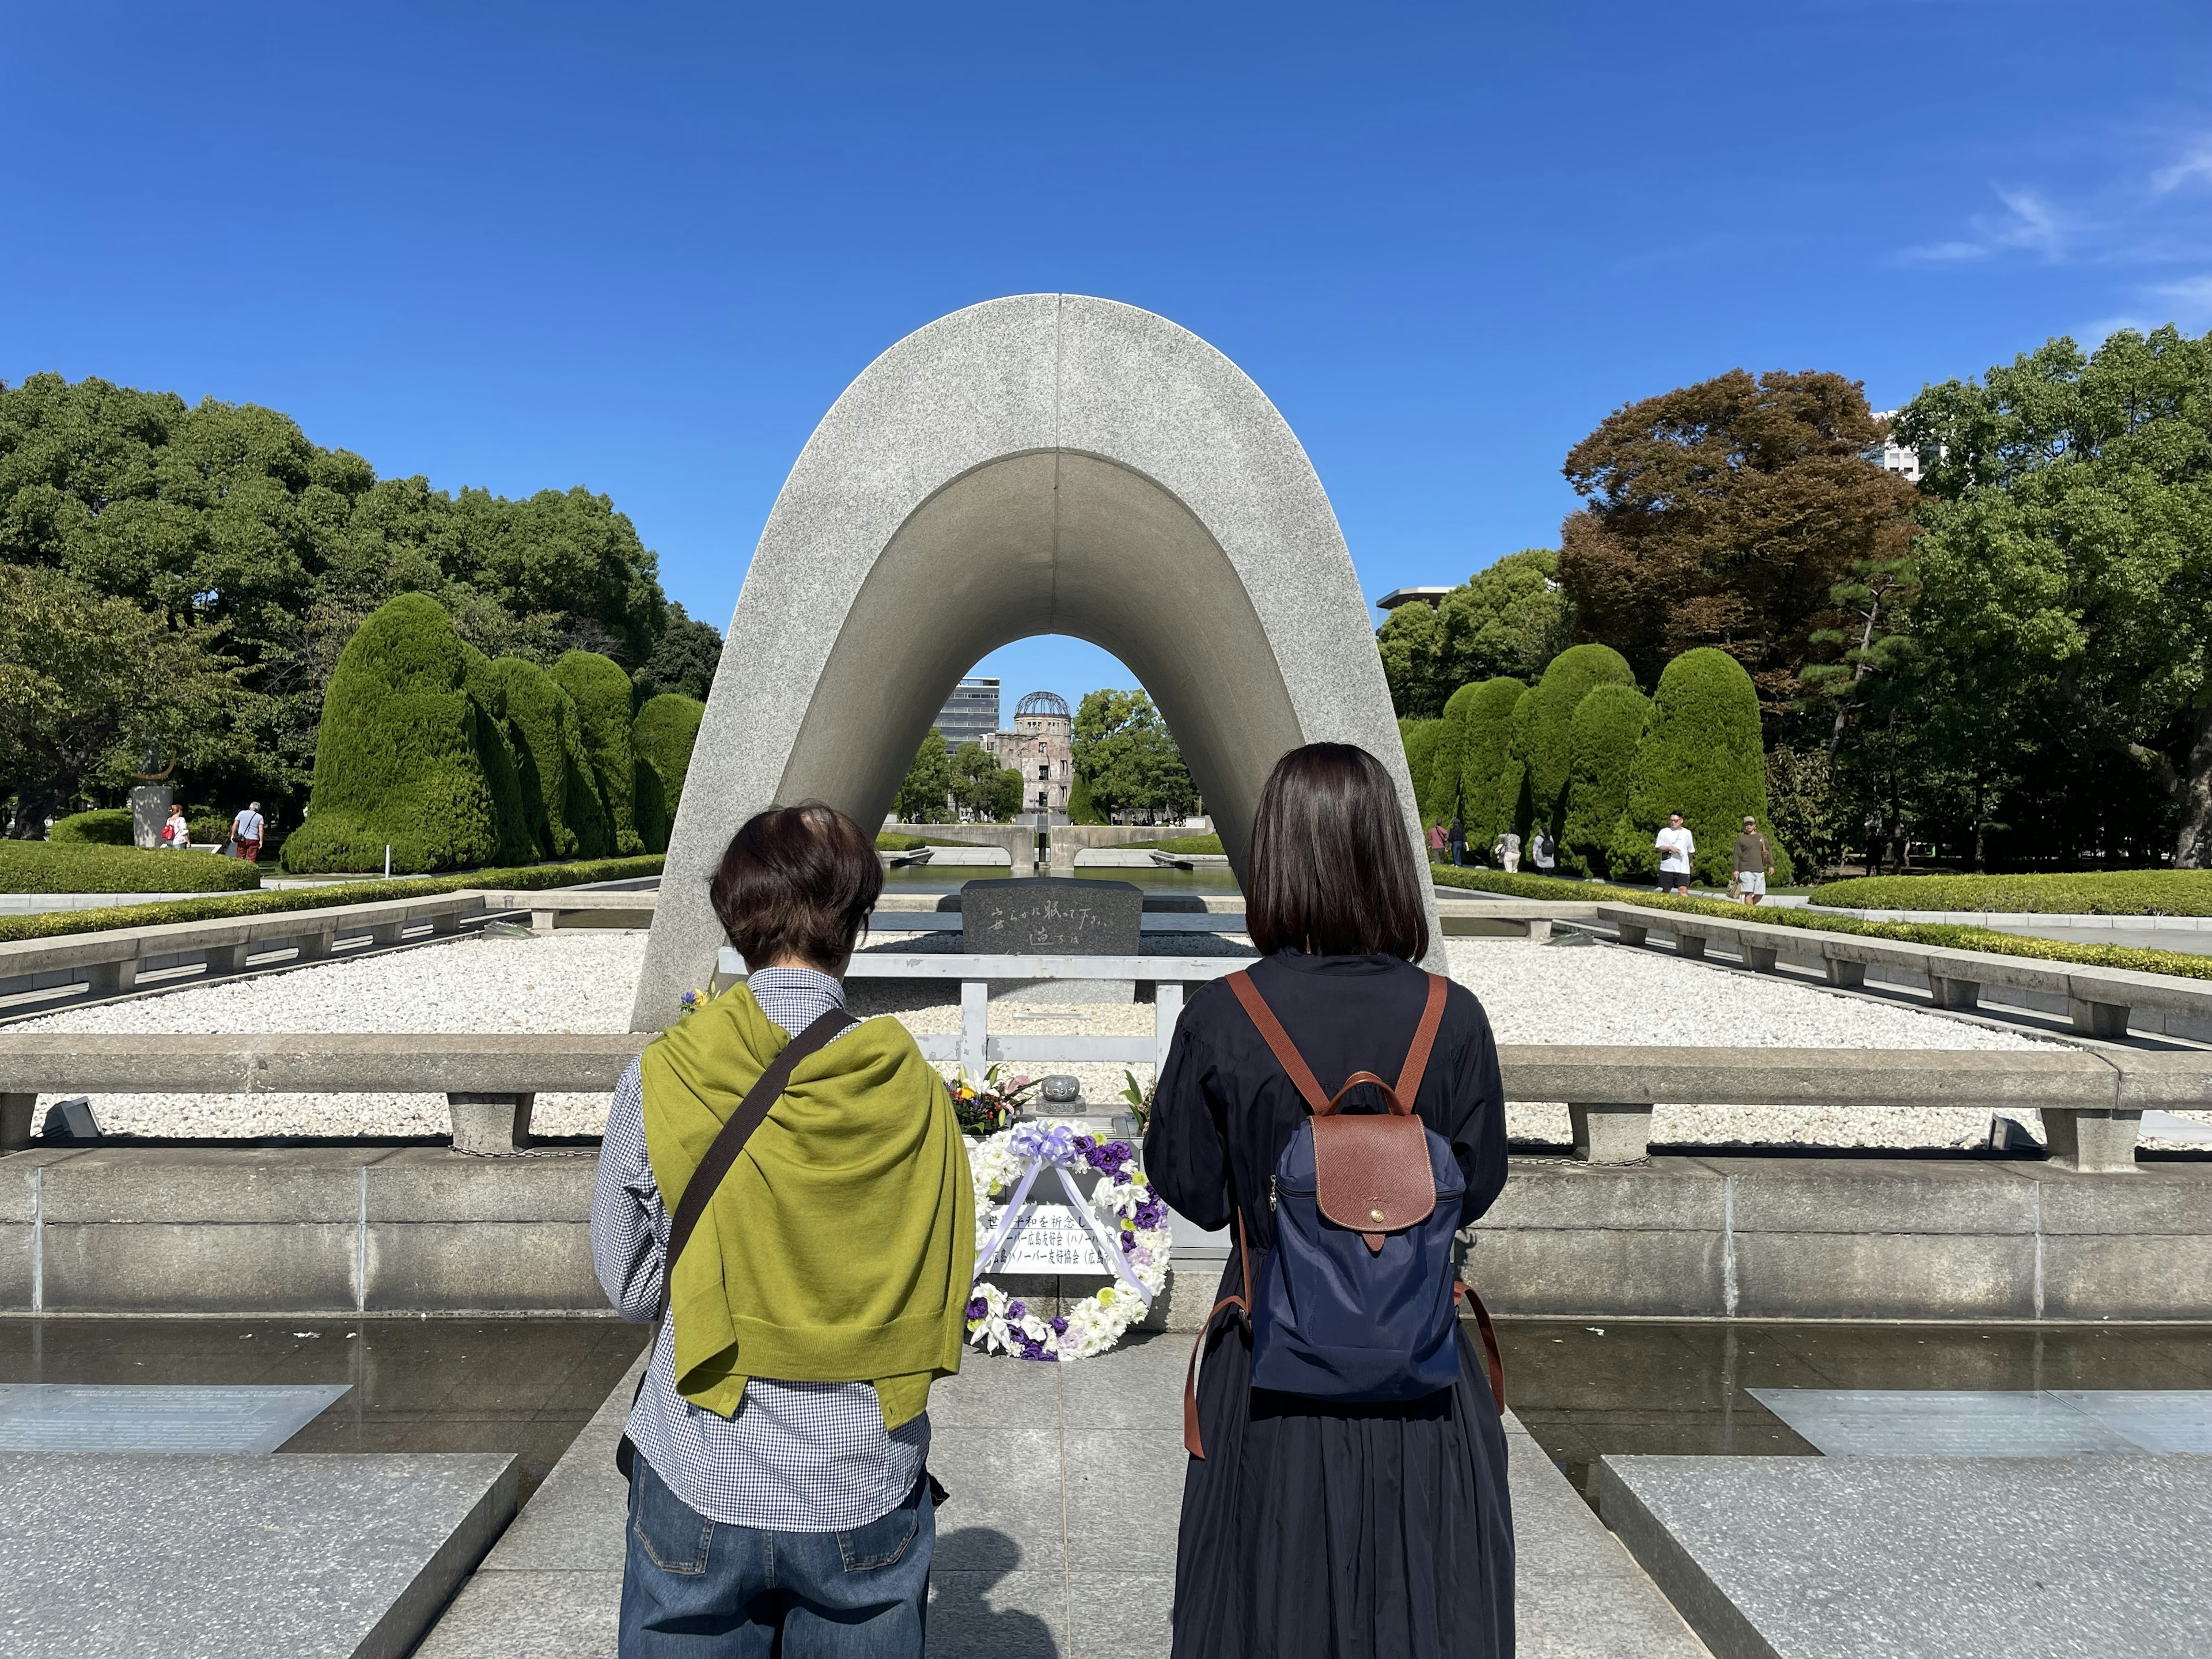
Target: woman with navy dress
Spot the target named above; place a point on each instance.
(1313, 1527)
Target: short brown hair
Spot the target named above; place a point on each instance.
(797, 881)
(1332, 867)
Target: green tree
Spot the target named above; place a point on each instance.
(1602, 739)
(1701, 758)
(547, 737)
(982, 786)
(87, 684)
(2067, 565)
(1509, 619)
(664, 734)
(683, 659)
(600, 691)
(1080, 807)
(1124, 751)
(400, 762)
(1489, 782)
(928, 788)
(1726, 513)
(1543, 733)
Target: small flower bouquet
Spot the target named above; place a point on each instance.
(986, 1106)
(1139, 1096)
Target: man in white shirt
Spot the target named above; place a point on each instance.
(1676, 847)
(247, 829)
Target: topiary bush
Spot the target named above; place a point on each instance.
(45, 867)
(1544, 726)
(399, 760)
(601, 692)
(1602, 743)
(519, 812)
(2113, 893)
(1448, 756)
(107, 826)
(547, 736)
(1700, 758)
(1419, 737)
(1533, 887)
(1489, 785)
(664, 734)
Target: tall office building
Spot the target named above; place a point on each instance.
(970, 714)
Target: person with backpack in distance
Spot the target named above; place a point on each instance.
(1340, 1111)
(784, 1188)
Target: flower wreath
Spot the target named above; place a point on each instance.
(1124, 1200)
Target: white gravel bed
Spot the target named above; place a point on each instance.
(583, 979)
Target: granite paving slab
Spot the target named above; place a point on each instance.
(1995, 1423)
(2156, 1419)
(186, 1556)
(1058, 1538)
(55, 1417)
(1811, 1558)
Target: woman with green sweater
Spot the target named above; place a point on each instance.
(780, 1498)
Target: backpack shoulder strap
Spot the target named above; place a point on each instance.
(1278, 1040)
(1424, 1040)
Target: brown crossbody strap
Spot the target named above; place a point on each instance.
(722, 1154)
(1294, 1063)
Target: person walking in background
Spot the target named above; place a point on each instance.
(1373, 1521)
(1436, 842)
(247, 830)
(1458, 839)
(177, 833)
(1506, 849)
(1754, 862)
(1543, 850)
(1676, 847)
(779, 1499)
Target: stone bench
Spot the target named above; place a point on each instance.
(2091, 1102)
(114, 957)
(2098, 999)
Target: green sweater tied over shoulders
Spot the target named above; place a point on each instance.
(841, 1247)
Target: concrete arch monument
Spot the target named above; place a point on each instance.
(1045, 464)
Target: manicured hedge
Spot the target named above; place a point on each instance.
(1602, 739)
(549, 738)
(1449, 756)
(529, 879)
(46, 866)
(664, 734)
(108, 826)
(2115, 893)
(1184, 844)
(399, 760)
(1948, 936)
(1544, 726)
(1701, 758)
(1489, 787)
(518, 813)
(1533, 887)
(602, 694)
(1420, 738)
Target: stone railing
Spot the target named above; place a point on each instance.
(2091, 1102)
(2098, 999)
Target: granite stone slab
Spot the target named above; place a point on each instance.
(89, 1416)
(1943, 1423)
(199, 1557)
(1810, 1558)
(2156, 1419)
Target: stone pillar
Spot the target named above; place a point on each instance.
(17, 1113)
(1845, 975)
(1760, 958)
(385, 933)
(149, 811)
(2092, 1142)
(1961, 994)
(1606, 1133)
(491, 1123)
(2097, 1020)
(113, 979)
(1690, 945)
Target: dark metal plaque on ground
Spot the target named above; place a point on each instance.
(50, 1417)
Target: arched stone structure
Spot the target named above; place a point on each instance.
(1046, 464)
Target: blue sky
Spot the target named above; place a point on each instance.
(643, 248)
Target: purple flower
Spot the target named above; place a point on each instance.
(1128, 1242)
(1015, 1310)
(1151, 1213)
(1059, 1327)
(978, 1309)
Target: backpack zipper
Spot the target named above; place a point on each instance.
(1271, 1192)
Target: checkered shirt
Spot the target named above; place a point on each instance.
(798, 1456)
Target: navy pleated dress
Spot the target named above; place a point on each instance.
(1310, 1529)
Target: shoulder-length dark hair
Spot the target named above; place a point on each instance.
(1332, 867)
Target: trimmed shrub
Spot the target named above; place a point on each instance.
(399, 759)
(664, 734)
(549, 757)
(1601, 743)
(1489, 786)
(1534, 887)
(1080, 807)
(46, 866)
(519, 812)
(1419, 737)
(602, 692)
(2114, 893)
(1184, 844)
(1544, 726)
(531, 879)
(1447, 756)
(108, 826)
(1700, 758)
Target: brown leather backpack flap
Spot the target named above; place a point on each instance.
(1371, 1173)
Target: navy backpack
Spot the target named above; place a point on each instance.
(1357, 1301)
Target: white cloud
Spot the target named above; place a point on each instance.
(2194, 168)
(2028, 222)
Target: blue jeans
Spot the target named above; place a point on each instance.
(695, 1589)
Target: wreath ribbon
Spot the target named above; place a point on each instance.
(1087, 1217)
